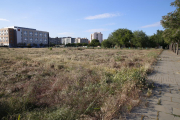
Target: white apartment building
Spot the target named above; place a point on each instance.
(66, 40)
(98, 36)
(81, 40)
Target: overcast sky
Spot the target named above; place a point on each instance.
(80, 18)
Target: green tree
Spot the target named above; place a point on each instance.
(171, 23)
(152, 41)
(121, 37)
(79, 44)
(94, 43)
(107, 44)
(84, 44)
(41, 45)
(140, 39)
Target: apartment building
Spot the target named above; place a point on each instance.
(98, 36)
(21, 35)
(7, 37)
(56, 41)
(66, 40)
(81, 40)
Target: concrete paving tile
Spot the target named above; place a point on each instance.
(176, 111)
(167, 81)
(167, 103)
(176, 118)
(165, 116)
(166, 109)
(176, 100)
(165, 98)
(172, 95)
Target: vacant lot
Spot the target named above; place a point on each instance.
(72, 83)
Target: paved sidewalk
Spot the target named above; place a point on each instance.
(166, 77)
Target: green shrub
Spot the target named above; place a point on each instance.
(50, 48)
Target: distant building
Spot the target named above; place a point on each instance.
(15, 36)
(56, 41)
(81, 40)
(66, 40)
(98, 36)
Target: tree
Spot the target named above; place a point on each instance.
(152, 41)
(34, 44)
(84, 44)
(121, 37)
(107, 44)
(51, 44)
(79, 44)
(94, 43)
(41, 44)
(171, 23)
(140, 39)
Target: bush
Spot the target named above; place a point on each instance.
(50, 48)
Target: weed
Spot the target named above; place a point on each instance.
(159, 101)
(149, 93)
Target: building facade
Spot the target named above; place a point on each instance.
(98, 36)
(22, 36)
(66, 40)
(81, 40)
(7, 37)
(56, 41)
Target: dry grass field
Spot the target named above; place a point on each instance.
(72, 83)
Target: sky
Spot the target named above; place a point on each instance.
(80, 18)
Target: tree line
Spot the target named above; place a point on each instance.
(167, 38)
(127, 38)
(171, 24)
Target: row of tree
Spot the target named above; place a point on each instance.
(171, 24)
(127, 38)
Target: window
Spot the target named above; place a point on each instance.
(0, 40)
(3, 39)
(25, 32)
(25, 39)
(45, 34)
(40, 39)
(31, 40)
(36, 34)
(40, 34)
(36, 39)
(6, 39)
(31, 33)
(45, 40)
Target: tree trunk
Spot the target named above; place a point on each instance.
(177, 51)
(174, 47)
(170, 46)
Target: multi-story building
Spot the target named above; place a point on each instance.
(7, 37)
(56, 41)
(81, 40)
(20, 35)
(66, 40)
(98, 36)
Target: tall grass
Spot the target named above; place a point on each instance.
(72, 83)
